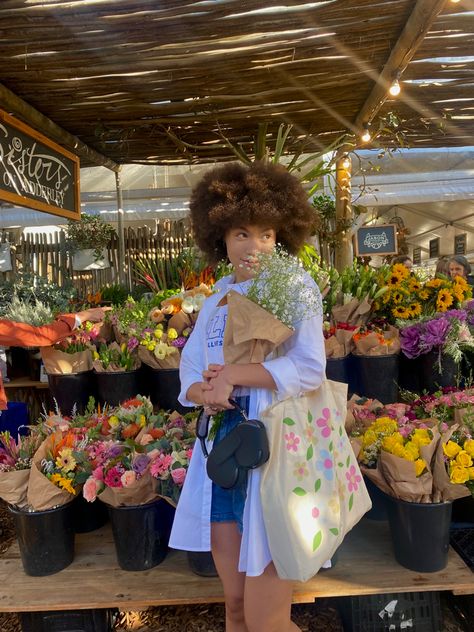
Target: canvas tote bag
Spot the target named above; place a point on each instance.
(311, 488)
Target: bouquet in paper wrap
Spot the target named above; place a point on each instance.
(374, 340)
(72, 354)
(338, 340)
(115, 358)
(409, 462)
(16, 457)
(280, 295)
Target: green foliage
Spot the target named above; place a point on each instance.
(32, 290)
(116, 294)
(89, 232)
(21, 311)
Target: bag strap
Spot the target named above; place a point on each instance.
(202, 437)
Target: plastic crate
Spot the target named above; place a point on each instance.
(15, 419)
(97, 620)
(391, 612)
(462, 540)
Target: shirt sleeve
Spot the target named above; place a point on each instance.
(24, 335)
(191, 364)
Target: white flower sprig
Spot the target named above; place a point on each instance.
(282, 287)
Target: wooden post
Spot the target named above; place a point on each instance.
(120, 230)
(344, 212)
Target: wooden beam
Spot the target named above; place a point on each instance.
(412, 36)
(344, 213)
(18, 107)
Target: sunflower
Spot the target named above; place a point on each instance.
(461, 281)
(444, 300)
(414, 285)
(414, 309)
(394, 279)
(397, 297)
(434, 283)
(424, 295)
(400, 270)
(400, 312)
(386, 297)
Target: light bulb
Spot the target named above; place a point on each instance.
(395, 88)
(366, 135)
(346, 163)
(455, 1)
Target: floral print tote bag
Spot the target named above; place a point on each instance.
(311, 488)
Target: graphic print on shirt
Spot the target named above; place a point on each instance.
(215, 329)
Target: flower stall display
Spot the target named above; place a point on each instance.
(16, 457)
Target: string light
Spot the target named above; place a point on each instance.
(346, 162)
(455, 1)
(366, 137)
(395, 88)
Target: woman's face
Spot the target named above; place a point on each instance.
(456, 269)
(243, 243)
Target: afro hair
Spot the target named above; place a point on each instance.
(261, 194)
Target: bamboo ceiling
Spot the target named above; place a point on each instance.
(158, 81)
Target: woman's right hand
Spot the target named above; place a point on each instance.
(94, 314)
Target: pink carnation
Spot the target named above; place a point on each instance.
(128, 478)
(98, 473)
(178, 475)
(90, 489)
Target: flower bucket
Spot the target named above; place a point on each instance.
(45, 538)
(115, 387)
(377, 376)
(72, 389)
(87, 516)
(202, 563)
(409, 373)
(420, 534)
(379, 501)
(164, 387)
(85, 260)
(431, 378)
(141, 534)
(463, 510)
(341, 370)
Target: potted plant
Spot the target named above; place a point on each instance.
(86, 240)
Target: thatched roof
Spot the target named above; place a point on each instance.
(161, 81)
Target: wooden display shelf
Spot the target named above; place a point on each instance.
(24, 382)
(365, 566)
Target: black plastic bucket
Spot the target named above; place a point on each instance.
(45, 538)
(463, 510)
(409, 373)
(377, 377)
(379, 501)
(141, 534)
(72, 389)
(420, 534)
(430, 376)
(115, 387)
(202, 563)
(88, 516)
(164, 387)
(342, 370)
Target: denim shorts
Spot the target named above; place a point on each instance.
(228, 504)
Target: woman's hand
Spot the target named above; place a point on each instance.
(217, 398)
(212, 371)
(94, 314)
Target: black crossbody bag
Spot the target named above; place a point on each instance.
(244, 448)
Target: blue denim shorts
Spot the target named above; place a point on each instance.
(228, 504)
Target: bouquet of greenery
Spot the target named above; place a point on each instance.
(279, 296)
(115, 357)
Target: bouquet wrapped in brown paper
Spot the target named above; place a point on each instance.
(140, 492)
(59, 362)
(410, 462)
(59, 467)
(338, 340)
(377, 342)
(280, 295)
(15, 464)
(356, 312)
(115, 357)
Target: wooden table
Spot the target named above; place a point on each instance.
(365, 566)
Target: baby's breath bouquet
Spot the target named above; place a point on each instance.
(280, 295)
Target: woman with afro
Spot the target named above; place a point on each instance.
(238, 211)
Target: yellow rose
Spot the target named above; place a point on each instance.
(470, 471)
(420, 466)
(369, 438)
(469, 446)
(399, 450)
(459, 475)
(172, 334)
(451, 449)
(390, 442)
(421, 437)
(158, 333)
(412, 451)
(95, 355)
(463, 459)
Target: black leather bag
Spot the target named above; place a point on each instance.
(243, 449)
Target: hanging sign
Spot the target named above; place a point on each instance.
(417, 255)
(36, 172)
(376, 240)
(434, 248)
(460, 244)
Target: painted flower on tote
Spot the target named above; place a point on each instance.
(324, 423)
(353, 479)
(292, 442)
(301, 470)
(325, 464)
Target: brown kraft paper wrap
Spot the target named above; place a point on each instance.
(182, 321)
(149, 358)
(142, 492)
(370, 345)
(42, 493)
(14, 487)
(444, 490)
(354, 313)
(251, 332)
(59, 362)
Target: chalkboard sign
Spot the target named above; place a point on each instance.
(417, 256)
(460, 244)
(434, 248)
(376, 240)
(36, 172)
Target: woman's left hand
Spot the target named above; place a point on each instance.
(217, 399)
(212, 371)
